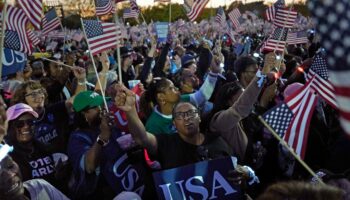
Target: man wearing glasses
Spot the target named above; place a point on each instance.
(186, 147)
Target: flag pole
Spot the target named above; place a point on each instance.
(59, 63)
(290, 150)
(169, 12)
(2, 39)
(94, 65)
(118, 49)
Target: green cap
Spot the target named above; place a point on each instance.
(87, 99)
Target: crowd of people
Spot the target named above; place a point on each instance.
(178, 102)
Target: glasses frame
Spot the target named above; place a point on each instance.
(35, 94)
(190, 114)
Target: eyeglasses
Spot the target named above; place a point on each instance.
(22, 123)
(190, 114)
(36, 94)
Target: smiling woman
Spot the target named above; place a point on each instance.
(34, 160)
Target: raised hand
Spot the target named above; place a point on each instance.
(79, 73)
(125, 98)
(105, 61)
(270, 62)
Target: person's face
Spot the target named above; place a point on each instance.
(193, 68)
(93, 116)
(249, 73)
(11, 186)
(186, 120)
(35, 98)
(190, 80)
(171, 94)
(23, 128)
(128, 61)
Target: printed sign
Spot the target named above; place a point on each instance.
(162, 29)
(202, 180)
(12, 61)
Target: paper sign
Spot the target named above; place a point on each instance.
(202, 180)
(162, 29)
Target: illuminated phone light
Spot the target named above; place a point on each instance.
(300, 69)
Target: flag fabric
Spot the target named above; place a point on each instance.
(299, 37)
(33, 37)
(16, 36)
(134, 6)
(271, 10)
(235, 17)
(104, 7)
(285, 18)
(321, 84)
(196, 9)
(50, 21)
(277, 41)
(101, 36)
(291, 119)
(220, 16)
(298, 131)
(279, 118)
(332, 22)
(33, 9)
(129, 13)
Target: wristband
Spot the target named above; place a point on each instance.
(261, 78)
(252, 177)
(101, 142)
(81, 83)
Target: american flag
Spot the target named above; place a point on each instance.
(104, 7)
(277, 40)
(298, 131)
(50, 21)
(332, 24)
(220, 16)
(235, 17)
(16, 37)
(33, 37)
(129, 13)
(196, 9)
(134, 6)
(271, 11)
(33, 9)
(291, 119)
(321, 84)
(299, 37)
(101, 36)
(285, 18)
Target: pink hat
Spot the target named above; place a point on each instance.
(290, 89)
(18, 109)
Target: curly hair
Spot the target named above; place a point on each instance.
(19, 95)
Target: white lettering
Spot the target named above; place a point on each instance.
(35, 173)
(195, 188)
(166, 191)
(222, 184)
(131, 173)
(181, 188)
(118, 163)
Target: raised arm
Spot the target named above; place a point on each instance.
(125, 100)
